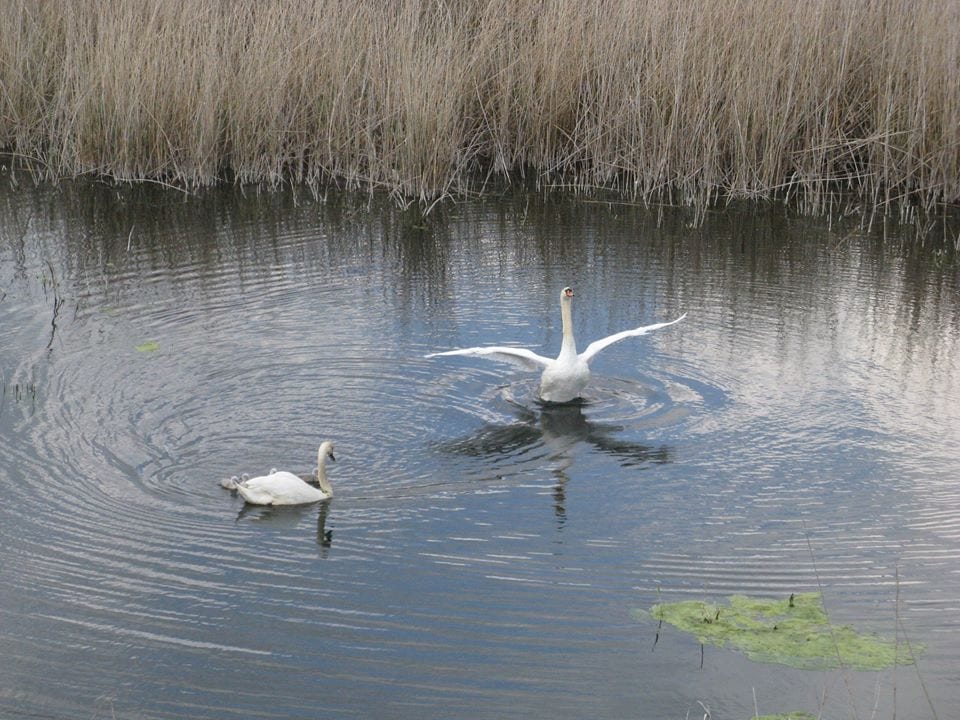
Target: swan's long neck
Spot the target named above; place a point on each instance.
(569, 346)
(322, 471)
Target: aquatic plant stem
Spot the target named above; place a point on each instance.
(896, 631)
(843, 669)
(913, 657)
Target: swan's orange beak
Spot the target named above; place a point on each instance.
(568, 292)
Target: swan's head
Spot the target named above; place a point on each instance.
(326, 451)
(566, 293)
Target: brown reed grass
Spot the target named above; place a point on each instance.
(677, 100)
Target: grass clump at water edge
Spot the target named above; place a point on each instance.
(794, 632)
(661, 100)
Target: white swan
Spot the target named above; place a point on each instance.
(285, 488)
(563, 378)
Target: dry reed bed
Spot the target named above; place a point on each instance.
(661, 99)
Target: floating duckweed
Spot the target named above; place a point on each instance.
(794, 631)
(148, 346)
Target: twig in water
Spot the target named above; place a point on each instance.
(842, 241)
(57, 304)
(656, 637)
(130, 237)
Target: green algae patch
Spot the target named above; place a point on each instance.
(794, 632)
(148, 347)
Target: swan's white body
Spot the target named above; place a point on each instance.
(284, 488)
(564, 377)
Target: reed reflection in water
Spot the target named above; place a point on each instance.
(483, 553)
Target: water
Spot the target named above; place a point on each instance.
(483, 555)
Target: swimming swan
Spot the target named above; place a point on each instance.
(285, 488)
(564, 378)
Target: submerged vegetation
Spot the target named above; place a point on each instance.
(794, 631)
(660, 100)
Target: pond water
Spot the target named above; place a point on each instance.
(484, 555)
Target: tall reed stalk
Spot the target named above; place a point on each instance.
(683, 100)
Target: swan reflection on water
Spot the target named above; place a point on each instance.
(548, 433)
(556, 429)
(290, 516)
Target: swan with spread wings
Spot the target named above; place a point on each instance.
(564, 377)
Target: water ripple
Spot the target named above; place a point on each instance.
(482, 551)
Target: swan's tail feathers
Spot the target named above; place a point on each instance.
(230, 483)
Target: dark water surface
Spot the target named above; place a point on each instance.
(483, 556)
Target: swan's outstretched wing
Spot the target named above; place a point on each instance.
(598, 345)
(517, 356)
